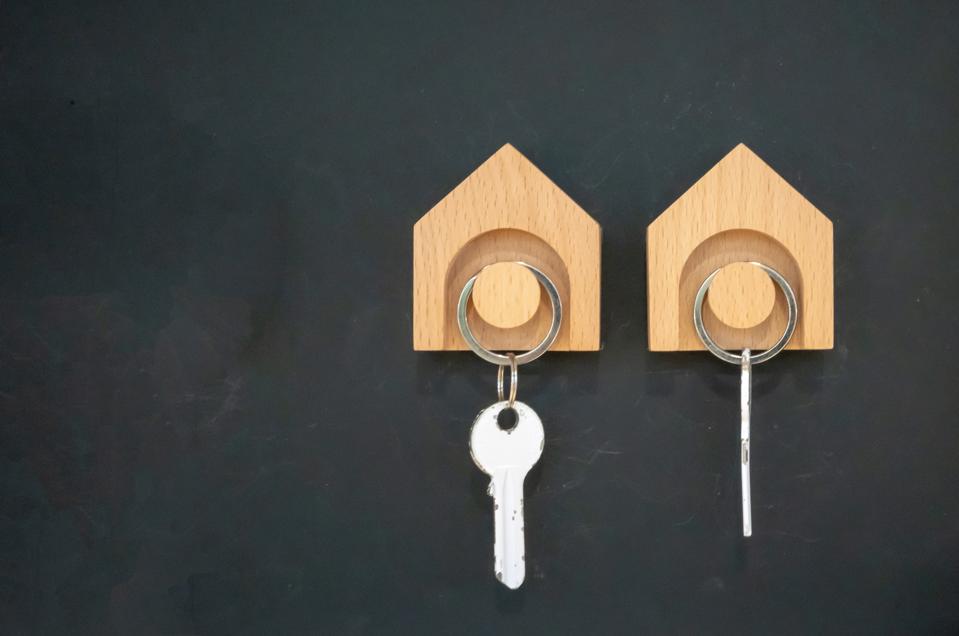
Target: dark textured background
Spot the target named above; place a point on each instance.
(212, 419)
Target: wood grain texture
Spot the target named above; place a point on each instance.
(740, 210)
(741, 295)
(506, 210)
(506, 295)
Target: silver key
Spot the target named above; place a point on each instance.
(745, 406)
(507, 456)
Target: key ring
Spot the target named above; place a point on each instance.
(513, 380)
(722, 354)
(523, 358)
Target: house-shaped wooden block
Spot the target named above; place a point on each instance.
(505, 211)
(740, 211)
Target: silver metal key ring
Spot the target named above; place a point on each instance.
(732, 358)
(523, 358)
(513, 380)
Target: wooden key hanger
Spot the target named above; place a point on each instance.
(505, 213)
(740, 212)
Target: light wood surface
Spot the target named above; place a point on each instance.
(741, 295)
(740, 210)
(506, 210)
(506, 295)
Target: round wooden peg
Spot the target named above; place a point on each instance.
(506, 295)
(741, 296)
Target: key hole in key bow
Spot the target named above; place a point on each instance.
(507, 419)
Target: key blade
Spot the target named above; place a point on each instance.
(509, 550)
(745, 408)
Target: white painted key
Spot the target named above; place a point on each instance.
(507, 456)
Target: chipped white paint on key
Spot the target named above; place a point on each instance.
(507, 456)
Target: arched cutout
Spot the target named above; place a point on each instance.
(722, 249)
(494, 247)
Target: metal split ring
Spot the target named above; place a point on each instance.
(726, 356)
(513, 381)
(523, 358)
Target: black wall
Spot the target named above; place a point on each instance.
(211, 418)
